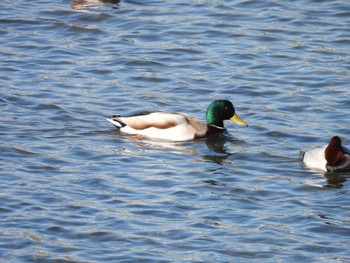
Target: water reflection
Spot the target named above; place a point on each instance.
(335, 180)
(215, 149)
(80, 4)
(219, 148)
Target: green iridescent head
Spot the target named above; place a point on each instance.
(220, 110)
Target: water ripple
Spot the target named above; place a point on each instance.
(75, 190)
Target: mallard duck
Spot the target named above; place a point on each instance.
(176, 126)
(331, 158)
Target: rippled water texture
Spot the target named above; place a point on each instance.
(72, 189)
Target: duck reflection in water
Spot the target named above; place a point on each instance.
(219, 147)
(336, 180)
(215, 149)
(78, 4)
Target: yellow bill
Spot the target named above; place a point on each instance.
(238, 120)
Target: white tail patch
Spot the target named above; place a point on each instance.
(315, 159)
(116, 123)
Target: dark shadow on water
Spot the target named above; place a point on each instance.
(218, 148)
(215, 149)
(110, 1)
(336, 180)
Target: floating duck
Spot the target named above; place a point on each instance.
(176, 126)
(331, 158)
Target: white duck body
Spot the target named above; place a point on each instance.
(315, 158)
(160, 125)
(175, 126)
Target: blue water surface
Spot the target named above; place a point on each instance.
(73, 189)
